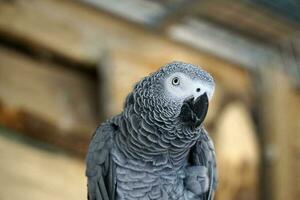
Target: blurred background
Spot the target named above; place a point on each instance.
(66, 65)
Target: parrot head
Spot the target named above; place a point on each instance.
(191, 87)
(178, 93)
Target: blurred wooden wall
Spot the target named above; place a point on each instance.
(279, 111)
(70, 65)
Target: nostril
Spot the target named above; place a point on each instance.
(198, 90)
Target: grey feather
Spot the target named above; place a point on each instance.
(203, 154)
(157, 147)
(100, 168)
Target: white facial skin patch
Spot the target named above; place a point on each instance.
(180, 86)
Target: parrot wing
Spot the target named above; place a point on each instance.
(100, 169)
(203, 154)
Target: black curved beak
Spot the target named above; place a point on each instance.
(193, 111)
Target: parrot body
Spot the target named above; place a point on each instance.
(157, 148)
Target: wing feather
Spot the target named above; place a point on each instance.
(99, 164)
(203, 154)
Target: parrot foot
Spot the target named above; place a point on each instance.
(197, 180)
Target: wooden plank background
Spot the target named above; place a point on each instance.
(29, 171)
(47, 101)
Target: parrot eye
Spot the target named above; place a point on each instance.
(175, 81)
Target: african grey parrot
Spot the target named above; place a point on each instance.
(157, 148)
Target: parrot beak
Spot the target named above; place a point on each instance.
(193, 111)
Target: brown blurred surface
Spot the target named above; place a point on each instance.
(36, 95)
(237, 154)
(31, 172)
(280, 116)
